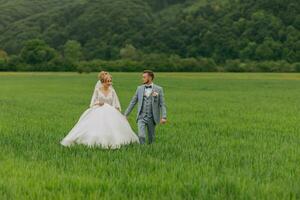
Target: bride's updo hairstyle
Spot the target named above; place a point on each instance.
(103, 76)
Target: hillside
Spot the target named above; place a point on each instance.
(15, 10)
(221, 30)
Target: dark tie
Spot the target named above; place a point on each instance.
(150, 86)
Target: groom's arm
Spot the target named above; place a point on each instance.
(132, 103)
(162, 104)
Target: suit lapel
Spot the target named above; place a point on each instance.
(141, 94)
(153, 90)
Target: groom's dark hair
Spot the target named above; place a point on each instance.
(150, 73)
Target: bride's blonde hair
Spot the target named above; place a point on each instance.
(103, 76)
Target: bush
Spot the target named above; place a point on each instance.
(207, 65)
(296, 67)
(234, 66)
(83, 69)
(155, 62)
(274, 66)
(3, 65)
(14, 62)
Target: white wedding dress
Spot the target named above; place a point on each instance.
(102, 126)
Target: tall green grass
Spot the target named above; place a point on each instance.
(229, 136)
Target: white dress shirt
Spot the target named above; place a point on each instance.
(148, 91)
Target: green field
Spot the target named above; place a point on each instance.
(229, 136)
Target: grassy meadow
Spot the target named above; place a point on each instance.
(229, 136)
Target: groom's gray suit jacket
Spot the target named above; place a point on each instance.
(158, 103)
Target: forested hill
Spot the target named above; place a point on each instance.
(256, 30)
(15, 10)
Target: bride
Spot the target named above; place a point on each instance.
(102, 124)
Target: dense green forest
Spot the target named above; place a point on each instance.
(163, 35)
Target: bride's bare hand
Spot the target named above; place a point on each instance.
(99, 104)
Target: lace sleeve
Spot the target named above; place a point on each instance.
(115, 101)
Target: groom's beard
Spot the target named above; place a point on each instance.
(147, 82)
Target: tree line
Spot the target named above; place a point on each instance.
(165, 35)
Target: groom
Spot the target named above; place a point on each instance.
(151, 107)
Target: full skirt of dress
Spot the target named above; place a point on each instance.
(102, 126)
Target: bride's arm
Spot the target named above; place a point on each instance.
(132, 103)
(116, 102)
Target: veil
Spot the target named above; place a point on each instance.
(98, 86)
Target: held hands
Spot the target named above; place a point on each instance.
(126, 117)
